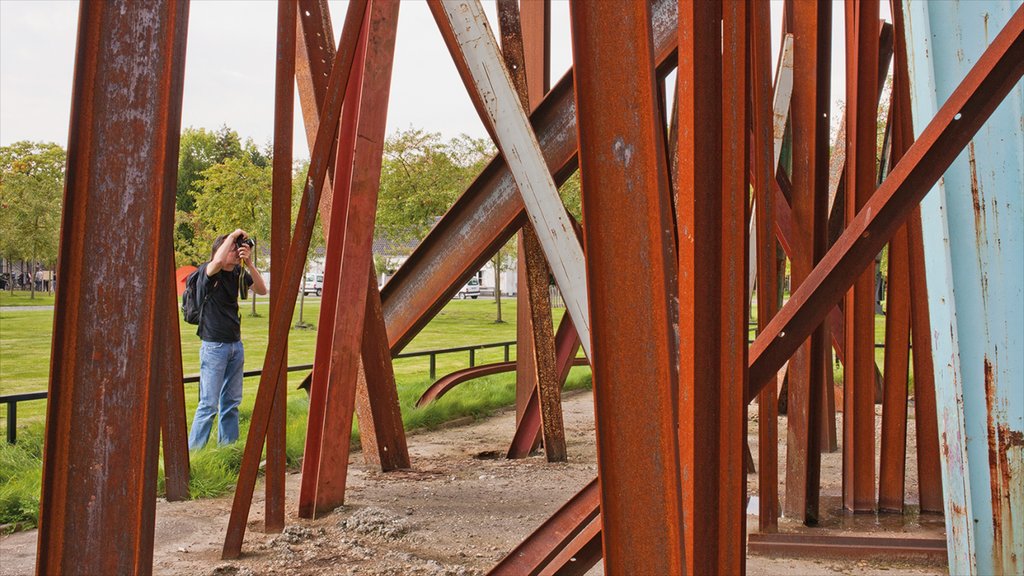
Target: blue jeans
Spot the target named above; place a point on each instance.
(220, 384)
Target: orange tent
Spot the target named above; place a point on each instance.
(180, 275)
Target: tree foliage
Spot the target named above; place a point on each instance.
(31, 194)
(421, 177)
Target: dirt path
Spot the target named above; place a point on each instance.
(458, 511)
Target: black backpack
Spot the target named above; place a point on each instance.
(191, 307)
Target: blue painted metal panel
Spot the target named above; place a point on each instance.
(974, 251)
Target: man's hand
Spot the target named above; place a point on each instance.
(243, 254)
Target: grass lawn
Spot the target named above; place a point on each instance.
(24, 298)
(25, 363)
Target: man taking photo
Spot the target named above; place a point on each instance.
(229, 274)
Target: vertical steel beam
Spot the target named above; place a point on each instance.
(765, 162)
(812, 43)
(371, 99)
(275, 361)
(535, 361)
(734, 312)
(973, 226)
(893, 441)
(98, 496)
(380, 418)
(173, 427)
(699, 222)
(320, 392)
(376, 395)
(859, 309)
(280, 222)
(929, 472)
(631, 273)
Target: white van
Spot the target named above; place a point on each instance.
(313, 284)
(470, 290)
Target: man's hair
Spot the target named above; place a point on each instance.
(216, 245)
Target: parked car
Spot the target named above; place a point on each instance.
(313, 284)
(470, 290)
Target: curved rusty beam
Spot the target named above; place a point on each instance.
(444, 384)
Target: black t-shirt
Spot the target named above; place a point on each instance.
(220, 321)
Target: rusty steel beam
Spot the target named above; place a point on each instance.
(539, 549)
(893, 441)
(463, 26)
(627, 200)
(490, 210)
(699, 221)
(848, 547)
(765, 162)
(173, 426)
(280, 222)
(446, 383)
(98, 496)
(382, 434)
(567, 345)
(375, 397)
(318, 428)
(929, 476)
(812, 44)
(359, 195)
(535, 351)
(859, 307)
(967, 108)
(275, 361)
(315, 52)
(580, 555)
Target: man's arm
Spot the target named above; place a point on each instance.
(259, 286)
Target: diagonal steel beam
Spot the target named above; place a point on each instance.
(463, 25)
(491, 210)
(98, 497)
(281, 312)
(967, 108)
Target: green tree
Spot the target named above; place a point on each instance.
(421, 177)
(31, 193)
(198, 150)
(235, 194)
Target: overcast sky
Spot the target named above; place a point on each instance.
(229, 69)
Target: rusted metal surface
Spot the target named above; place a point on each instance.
(580, 555)
(973, 231)
(275, 360)
(812, 43)
(463, 25)
(631, 273)
(321, 432)
(382, 434)
(280, 222)
(859, 308)
(535, 350)
(893, 441)
(173, 427)
(536, 552)
(929, 472)
(567, 345)
(99, 476)
(765, 162)
(445, 384)
(967, 108)
(831, 547)
(355, 248)
(490, 210)
(315, 53)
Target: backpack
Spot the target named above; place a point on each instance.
(191, 307)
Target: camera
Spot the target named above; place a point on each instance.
(243, 241)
